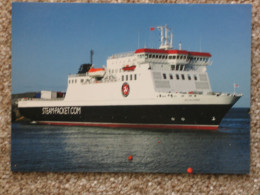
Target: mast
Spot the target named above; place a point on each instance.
(165, 42)
(160, 28)
(91, 56)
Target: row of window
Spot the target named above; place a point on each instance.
(115, 70)
(74, 81)
(182, 67)
(178, 67)
(184, 57)
(178, 77)
(129, 77)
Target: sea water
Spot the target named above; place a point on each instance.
(92, 149)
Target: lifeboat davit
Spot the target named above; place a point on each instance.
(96, 72)
(129, 68)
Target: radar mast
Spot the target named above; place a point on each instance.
(166, 42)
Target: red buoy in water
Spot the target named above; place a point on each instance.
(159, 142)
(189, 170)
(130, 157)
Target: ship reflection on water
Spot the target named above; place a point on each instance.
(92, 149)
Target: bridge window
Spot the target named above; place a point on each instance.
(122, 77)
(173, 57)
(183, 77)
(173, 67)
(195, 78)
(131, 77)
(189, 77)
(177, 67)
(177, 77)
(181, 68)
(171, 77)
(135, 77)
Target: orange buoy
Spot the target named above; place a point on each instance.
(130, 157)
(189, 170)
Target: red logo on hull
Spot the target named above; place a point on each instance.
(125, 89)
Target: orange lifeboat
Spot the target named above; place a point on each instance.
(96, 72)
(129, 68)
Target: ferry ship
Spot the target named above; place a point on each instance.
(146, 88)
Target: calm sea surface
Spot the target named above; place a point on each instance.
(92, 149)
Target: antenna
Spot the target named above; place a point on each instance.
(166, 36)
(180, 48)
(171, 40)
(200, 43)
(91, 56)
(138, 39)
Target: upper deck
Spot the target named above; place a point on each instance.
(173, 57)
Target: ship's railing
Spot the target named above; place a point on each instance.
(121, 55)
(40, 99)
(224, 94)
(211, 93)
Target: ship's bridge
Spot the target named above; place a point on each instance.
(173, 57)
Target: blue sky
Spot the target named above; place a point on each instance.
(51, 40)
